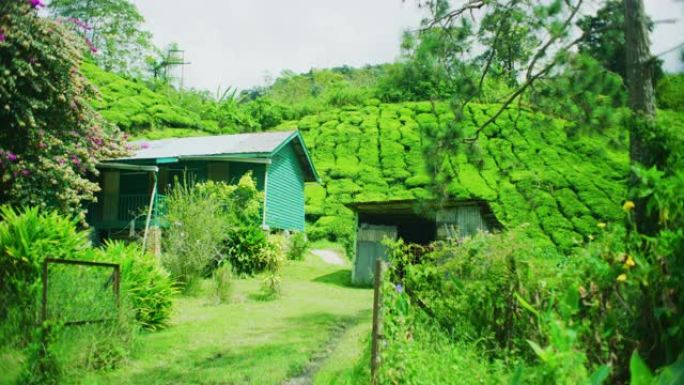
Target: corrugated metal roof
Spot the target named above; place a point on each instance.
(263, 142)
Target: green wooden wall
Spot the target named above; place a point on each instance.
(285, 191)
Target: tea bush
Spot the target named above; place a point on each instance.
(142, 108)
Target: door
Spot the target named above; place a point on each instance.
(369, 248)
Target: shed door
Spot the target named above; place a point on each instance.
(369, 248)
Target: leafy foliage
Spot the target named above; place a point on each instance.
(29, 236)
(112, 28)
(297, 246)
(551, 317)
(670, 92)
(146, 286)
(26, 238)
(213, 223)
(605, 40)
(51, 138)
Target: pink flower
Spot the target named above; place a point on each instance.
(2, 36)
(144, 145)
(36, 3)
(92, 47)
(11, 157)
(25, 172)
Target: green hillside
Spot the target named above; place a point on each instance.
(132, 106)
(149, 110)
(529, 172)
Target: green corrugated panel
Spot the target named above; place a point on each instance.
(285, 191)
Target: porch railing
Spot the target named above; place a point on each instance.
(121, 209)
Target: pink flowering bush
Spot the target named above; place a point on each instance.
(50, 138)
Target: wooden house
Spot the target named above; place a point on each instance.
(133, 188)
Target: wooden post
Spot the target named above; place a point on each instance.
(377, 320)
(44, 300)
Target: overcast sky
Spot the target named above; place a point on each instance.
(239, 43)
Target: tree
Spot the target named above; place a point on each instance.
(50, 137)
(113, 29)
(607, 44)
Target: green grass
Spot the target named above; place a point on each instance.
(342, 366)
(250, 341)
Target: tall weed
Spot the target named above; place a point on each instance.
(195, 233)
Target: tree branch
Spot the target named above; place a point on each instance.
(552, 39)
(522, 89)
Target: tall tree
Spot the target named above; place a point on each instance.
(113, 29)
(639, 71)
(607, 44)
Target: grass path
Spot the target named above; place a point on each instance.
(248, 341)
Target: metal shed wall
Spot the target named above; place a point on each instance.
(285, 191)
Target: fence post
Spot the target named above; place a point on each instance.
(377, 320)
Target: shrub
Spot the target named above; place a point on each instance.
(246, 248)
(212, 223)
(297, 247)
(147, 287)
(476, 300)
(272, 283)
(27, 237)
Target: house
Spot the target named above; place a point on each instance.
(413, 221)
(133, 188)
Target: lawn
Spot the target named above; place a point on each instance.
(315, 331)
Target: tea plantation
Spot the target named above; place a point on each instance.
(132, 105)
(525, 167)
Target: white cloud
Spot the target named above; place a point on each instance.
(236, 42)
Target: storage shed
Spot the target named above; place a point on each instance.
(279, 161)
(414, 222)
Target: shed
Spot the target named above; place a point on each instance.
(279, 161)
(414, 222)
